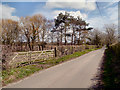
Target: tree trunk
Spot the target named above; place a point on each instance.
(79, 38)
(72, 39)
(58, 39)
(29, 44)
(65, 36)
(39, 47)
(61, 38)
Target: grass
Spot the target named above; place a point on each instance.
(67, 57)
(16, 74)
(111, 67)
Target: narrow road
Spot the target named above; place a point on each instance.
(76, 73)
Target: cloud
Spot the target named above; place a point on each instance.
(71, 4)
(6, 12)
(72, 13)
(113, 13)
(97, 22)
(109, 4)
(111, 17)
(47, 13)
(58, 0)
(110, 14)
(24, 0)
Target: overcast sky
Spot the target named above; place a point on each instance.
(86, 9)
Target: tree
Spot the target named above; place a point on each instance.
(45, 33)
(81, 29)
(96, 37)
(61, 24)
(50, 34)
(37, 22)
(110, 34)
(73, 28)
(31, 27)
(25, 28)
(69, 26)
(10, 31)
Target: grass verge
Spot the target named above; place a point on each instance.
(110, 69)
(15, 74)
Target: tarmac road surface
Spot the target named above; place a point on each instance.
(76, 73)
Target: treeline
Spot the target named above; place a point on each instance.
(64, 30)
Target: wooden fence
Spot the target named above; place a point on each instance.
(30, 56)
(15, 58)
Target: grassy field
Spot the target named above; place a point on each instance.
(16, 74)
(110, 74)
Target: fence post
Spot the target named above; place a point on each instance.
(55, 51)
(30, 57)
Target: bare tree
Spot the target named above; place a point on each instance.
(31, 27)
(10, 31)
(50, 34)
(110, 34)
(25, 28)
(9, 36)
(96, 37)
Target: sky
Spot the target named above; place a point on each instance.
(86, 9)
